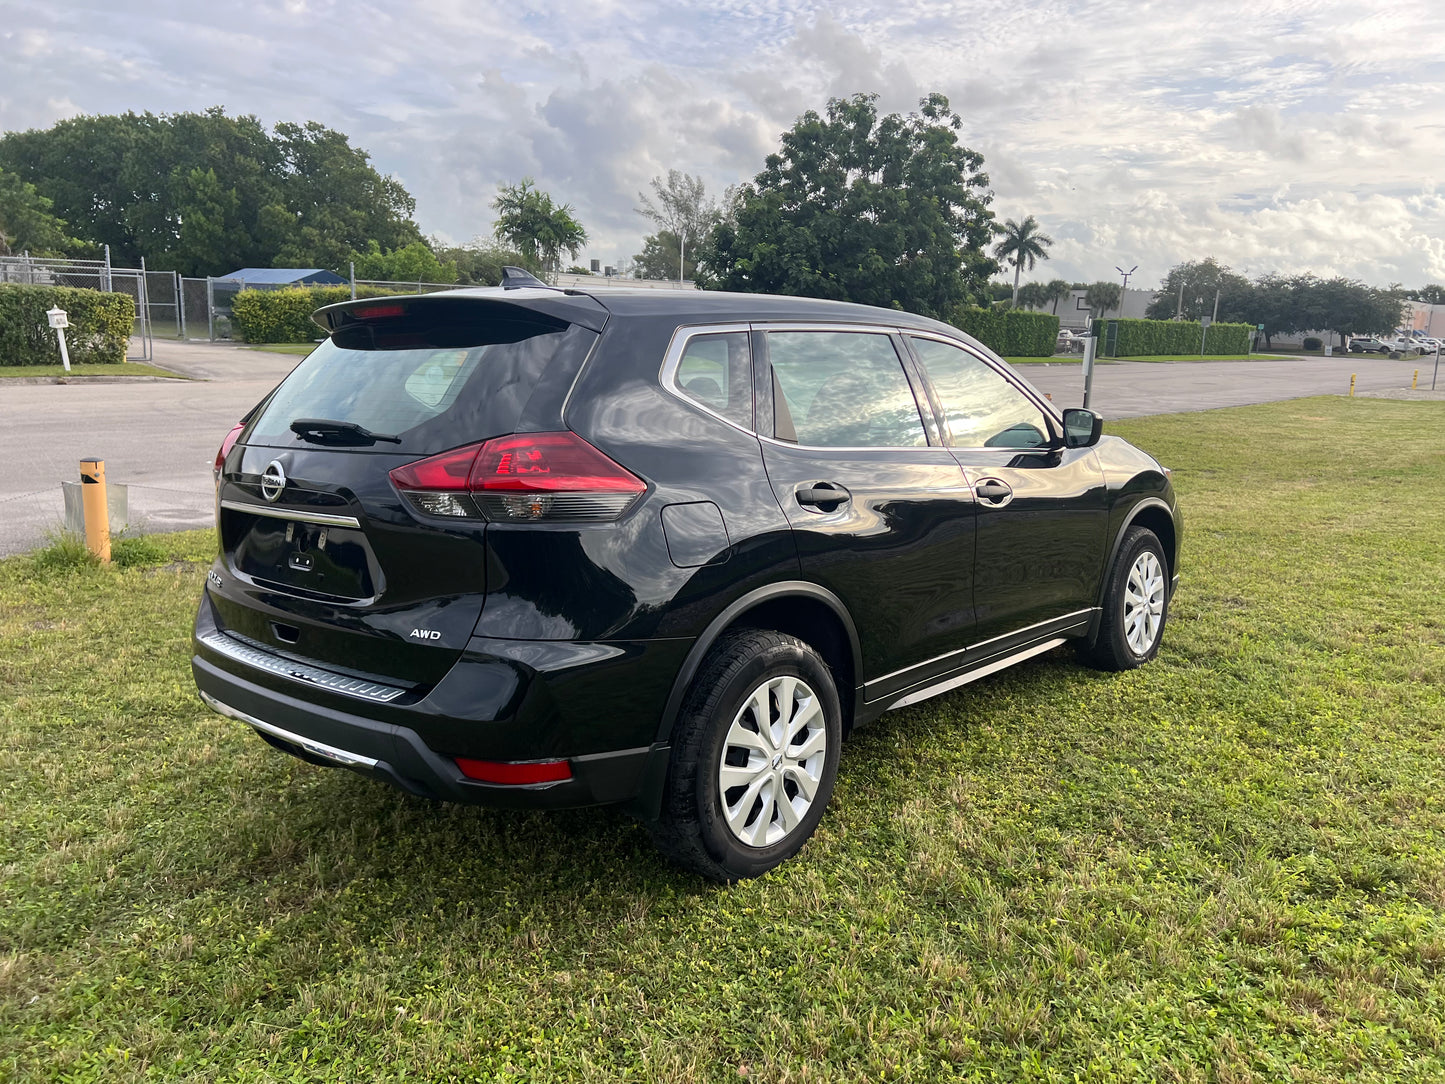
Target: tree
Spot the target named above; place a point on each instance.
(1431, 294)
(888, 211)
(531, 222)
(683, 214)
(414, 263)
(1032, 295)
(1201, 282)
(662, 255)
(1055, 291)
(205, 193)
(479, 262)
(26, 224)
(1101, 297)
(1023, 244)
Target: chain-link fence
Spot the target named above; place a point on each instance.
(92, 275)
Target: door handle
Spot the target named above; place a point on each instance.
(822, 493)
(993, 492)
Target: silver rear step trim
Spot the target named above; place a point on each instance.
(291, 513)
(974, 675)
(373, 691)
(316, 748)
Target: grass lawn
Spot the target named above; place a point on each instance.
(129, 368)
(285, 348)
(1228, 866)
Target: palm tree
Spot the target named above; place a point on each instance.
(529, 221)
(1022, 244)
(1056, 291)
(1103, 296)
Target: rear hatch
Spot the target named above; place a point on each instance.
(330, 564)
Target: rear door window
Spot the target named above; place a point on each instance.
(715, 371)
(844, 389)
(432, 389)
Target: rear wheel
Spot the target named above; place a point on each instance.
(1136, 605)
(754, 759)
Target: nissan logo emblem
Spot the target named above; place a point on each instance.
(273, 481)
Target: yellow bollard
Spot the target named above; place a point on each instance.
(97, 515)
(1415, 380)
(1352, 385)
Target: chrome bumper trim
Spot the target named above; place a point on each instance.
(292, 513)
(228, 646)
(316, 748)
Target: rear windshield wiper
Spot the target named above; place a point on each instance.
(326, 431)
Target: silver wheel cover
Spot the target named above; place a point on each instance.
(772, 761)
(1144, 603)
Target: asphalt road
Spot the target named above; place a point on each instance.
(160, 439)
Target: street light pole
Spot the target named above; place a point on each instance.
(1125, 290)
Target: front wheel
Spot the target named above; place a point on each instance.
(1136, 605)
(754, 759)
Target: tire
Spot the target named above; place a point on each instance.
(1136, 605)
(727, 833)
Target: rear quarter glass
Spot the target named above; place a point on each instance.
(432, 386)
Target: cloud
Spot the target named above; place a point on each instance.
(1272, 134)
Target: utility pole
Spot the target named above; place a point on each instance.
(1215, 317)
(1179, 312)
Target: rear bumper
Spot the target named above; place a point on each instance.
(519, 701)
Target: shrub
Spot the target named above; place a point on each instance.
(1142, 338)
(1012, 333)
(284, 316)
(99, 332)
(1312, 343)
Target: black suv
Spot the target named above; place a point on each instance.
(530, 547)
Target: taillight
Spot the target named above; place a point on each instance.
(523, 478)
(226, 446)
(515, 773)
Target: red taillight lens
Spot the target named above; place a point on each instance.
(498, 771)
(226, 446)
(377, 312)
(520, 478)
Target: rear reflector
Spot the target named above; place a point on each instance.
(525, 477)
(512, 774)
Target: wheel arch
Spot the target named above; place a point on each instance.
(799, 608)
(1158, 517)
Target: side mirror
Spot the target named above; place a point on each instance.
(1082, 428)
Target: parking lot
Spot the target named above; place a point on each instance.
(160, 438)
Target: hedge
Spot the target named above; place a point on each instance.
(1013, 333)
(1142, 338)
(284, 316)
(99, 332)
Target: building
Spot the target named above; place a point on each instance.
(276, 277)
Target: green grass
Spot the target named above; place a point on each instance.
(1077, 359)
(129, 368)
(285, 348)
(1227, 866)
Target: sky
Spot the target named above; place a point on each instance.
(1274, 135)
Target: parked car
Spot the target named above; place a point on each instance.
(1070, 342)
(1368, 345)
(538, 548)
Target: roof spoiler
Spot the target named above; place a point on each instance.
(515, 278)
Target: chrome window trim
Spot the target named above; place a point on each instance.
(672, 359)
(343, 757)
(296, 514)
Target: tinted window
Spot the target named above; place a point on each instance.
(982, 408)
(716, 371)
(435, 388)
(845, 389)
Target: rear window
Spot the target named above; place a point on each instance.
(431, 387)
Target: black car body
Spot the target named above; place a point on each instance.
(500, 546)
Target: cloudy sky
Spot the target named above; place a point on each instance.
(1275, 135)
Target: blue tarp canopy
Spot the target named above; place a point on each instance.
(287, 276)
